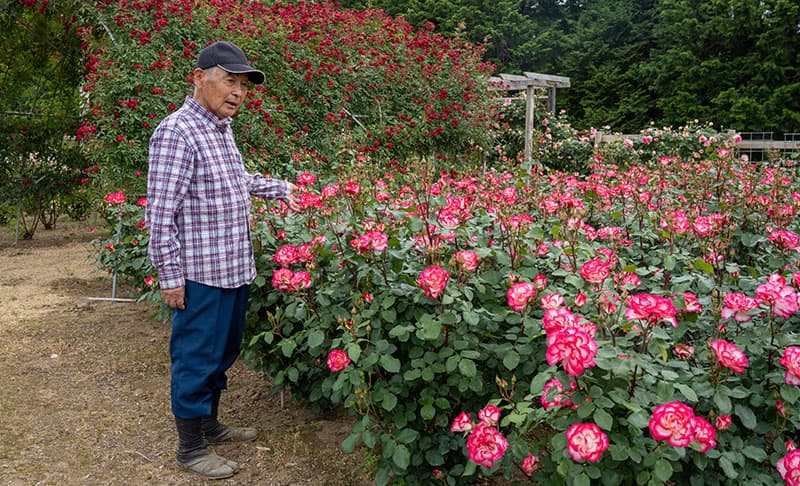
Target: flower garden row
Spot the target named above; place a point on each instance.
(635, 325)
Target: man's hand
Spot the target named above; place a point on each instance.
(174, 297)
(294, 199)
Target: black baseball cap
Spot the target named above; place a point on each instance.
(230, 58)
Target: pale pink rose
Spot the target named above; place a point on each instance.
(595, 271)
(557, 397)
(519, 294)
(791, 360)
(723, 422)
(462, 423)
(673, 422)
(788, 467)
(529, 464)
(738, 306)
(729, 355)
(485, 445)
(489, 414)
(574, 348)
(466, 260)
(704, 434)
(652, 308)
(551, 301)
(337, 360)
(586, 442)
(433, 281)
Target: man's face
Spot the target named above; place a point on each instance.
(219, 91)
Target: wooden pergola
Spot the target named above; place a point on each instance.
(530, 82)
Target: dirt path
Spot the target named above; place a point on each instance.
(84, 386)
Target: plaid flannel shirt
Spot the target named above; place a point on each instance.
(198, 201)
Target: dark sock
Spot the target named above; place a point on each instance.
(190, 439)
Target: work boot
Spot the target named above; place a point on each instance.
(194, 455)
(215, 432)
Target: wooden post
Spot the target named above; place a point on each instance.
(551, 101)
(529, 103)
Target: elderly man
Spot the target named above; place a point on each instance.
(198, 206)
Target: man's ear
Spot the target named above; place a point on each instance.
(198, 75)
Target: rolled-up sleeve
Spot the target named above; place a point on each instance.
(261, 186)
(171, 162)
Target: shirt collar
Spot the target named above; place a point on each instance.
(210, 118)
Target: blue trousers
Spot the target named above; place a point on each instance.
(206, 340)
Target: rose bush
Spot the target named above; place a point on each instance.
(627, 335)
(343, 87)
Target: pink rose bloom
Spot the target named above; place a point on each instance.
(306, 178)
(652, 308)
(282, 279)
(683, 351)
(574, 348)
(781, 297)
(149, 281)
(691, 304)
(462, 423)
(433, 281)
(557, 398)
(115, 197)
(539, 281)
(529, 464)
(673, 422)
(780, 408)
(352, 188)
(552, 301)
(580, 299)
(303, 252)
(489, 415)
(466, 260)
(543, 249)
(485, 445)
(595, 271)
(784, 239)
(337, 360)
(704, 434)
(586, 442)
(738, 305)
(285, 256)
(791, 360)
(376, 240)
(729, 355)
(142, 201)
(329, 191)
(300, 280)
(788, 467)
(723, 422)
(519, 294)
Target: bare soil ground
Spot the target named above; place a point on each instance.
(84, 386)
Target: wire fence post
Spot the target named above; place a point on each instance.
(19, 215)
